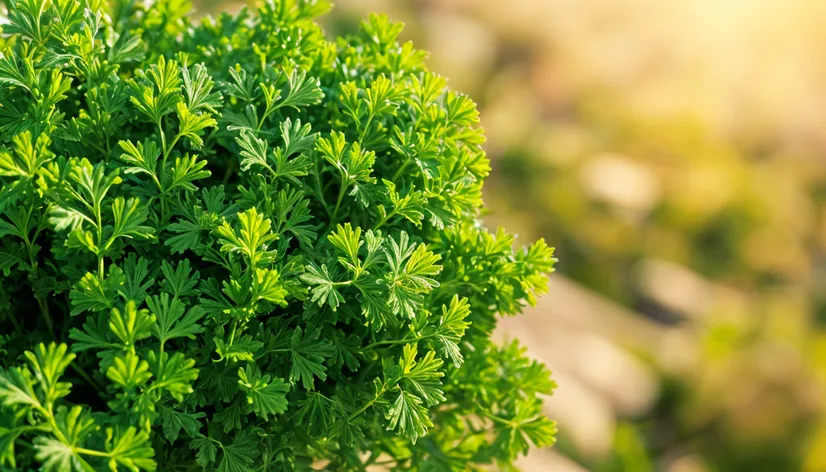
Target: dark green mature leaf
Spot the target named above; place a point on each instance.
(307, 354)
(297, 139)
(92, 294)
(207, 451)
(526, 423)
(316, 411)
(175, 373)
(136, 278)
(17, 388)
(181, 281)
(130, 449)
(265, 396)
(188, 236)
(292, 215)
(238, 456)
(94, 336)
(324, 290)
(239, 350)
(10, 74)
(175, 421)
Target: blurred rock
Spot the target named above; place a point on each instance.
(621, 182)
(584, 416)
(689, 463)
(548, 460)
(675, 287)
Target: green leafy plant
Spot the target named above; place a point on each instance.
(234, 245)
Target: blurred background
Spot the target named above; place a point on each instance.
(674, 152)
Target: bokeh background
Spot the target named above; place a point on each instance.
(674, 152)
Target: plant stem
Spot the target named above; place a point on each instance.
(230, 170)
(91, 452)
(317, 189)
(362, 133)
(44, 310)
(338, 204)
(392, 343)
(15, 323)
(367, 405)
(384, 220)
(399, 172)
(88, 378)
(99, 221)
(160, 358)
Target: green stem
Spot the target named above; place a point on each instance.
(392, 461)
(399, 172)
(44, 310)
(317, 189)
(157, 183)
(497, 419)
(392, 343)
(338, 204)
(49, 414)
(366, 128)
(41, 303)
(264, 117)
(160, 358)
(163, 140)
(230, 170)
(279, 350)
(15, 323)
(385, 219)
(367, 405)
(91, 452)
(108, 148)
(169, 150)
(99, 221)
(88, 378)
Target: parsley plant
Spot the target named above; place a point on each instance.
(235, 245)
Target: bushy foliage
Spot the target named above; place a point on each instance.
(235, 245)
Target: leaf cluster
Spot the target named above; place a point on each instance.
(235, 245)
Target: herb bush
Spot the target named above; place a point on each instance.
(234, 245)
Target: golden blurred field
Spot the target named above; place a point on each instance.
(675, 154)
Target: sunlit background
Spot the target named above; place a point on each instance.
(675, 154)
